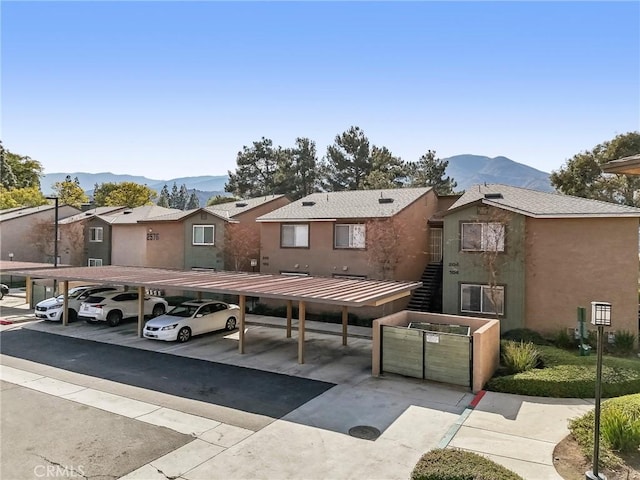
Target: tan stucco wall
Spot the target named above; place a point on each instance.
(486, 341)
(167, 251)
(572, 262)
(321, 259)
(129, 245)
(16, 234)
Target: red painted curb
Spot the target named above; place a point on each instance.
(477, 399)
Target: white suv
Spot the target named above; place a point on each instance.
(51, 308)
(112, 307)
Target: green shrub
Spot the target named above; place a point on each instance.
(568, 375)
(624, 342)
(524, 335)
(619, 429)
(564, 340)
(519, 357)
(451, 464)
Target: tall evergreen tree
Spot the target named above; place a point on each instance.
(194, 201)
(348, 161)
(430, 171)
(163, 199)
(183, 198)
(255, 174)
(174, 196)
(388, 171)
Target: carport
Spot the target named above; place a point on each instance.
(330, 291)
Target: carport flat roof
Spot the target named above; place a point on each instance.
(324, 290)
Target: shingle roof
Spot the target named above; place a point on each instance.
(11, 213)
(347, 204)
(232, 209)
(182, 214)
(132, 215)
(90, 213)
(537, 204)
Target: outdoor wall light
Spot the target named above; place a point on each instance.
(601, 313)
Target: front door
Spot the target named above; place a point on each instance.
(435, 245)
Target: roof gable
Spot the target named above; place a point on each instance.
(347, 204)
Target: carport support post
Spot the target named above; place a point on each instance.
(345, 321)
(289, 315)
(301, 315)
(141, 291)
(65, 303)
(243, 302)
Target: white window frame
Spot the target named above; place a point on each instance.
(300, 235)
(95, 262)
(486, 306)
(203, 228)
(492, 236)
(357, 235)
(96, 234)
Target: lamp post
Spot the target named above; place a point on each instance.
(55, 231)
(11, 276)
(600, 317)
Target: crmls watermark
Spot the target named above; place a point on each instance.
(58, 471)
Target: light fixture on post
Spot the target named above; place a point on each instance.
(600, 317)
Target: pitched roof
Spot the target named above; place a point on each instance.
(11, 213)
(238, 207)
(180, 215)
(347, 204)
(90, 213)
(132, 215)
(533, 203)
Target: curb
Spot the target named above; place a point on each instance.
(446, 440)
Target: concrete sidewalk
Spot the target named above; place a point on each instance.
(313, 441)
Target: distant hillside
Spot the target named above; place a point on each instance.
(469, 170)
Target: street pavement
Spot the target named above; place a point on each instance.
(310, 439)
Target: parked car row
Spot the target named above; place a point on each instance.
(111, 304)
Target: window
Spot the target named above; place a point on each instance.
(477, 299)
(95, 234)
(203, 234)
(294, 236)
(350, 236)
(482, 237)
(95, 262)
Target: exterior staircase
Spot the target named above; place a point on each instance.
(428, 297)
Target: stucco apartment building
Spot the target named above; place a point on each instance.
(373, 234)
(197, 238)
(531, 258)
(27, 233)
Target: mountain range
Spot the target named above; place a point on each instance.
(466, 170)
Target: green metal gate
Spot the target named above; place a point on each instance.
(427, 351)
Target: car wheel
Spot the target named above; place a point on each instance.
(1, 295)
(184, 334)
(158, 310)
(113, 318)
(231, 323)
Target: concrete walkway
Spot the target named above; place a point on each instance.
(313, 441)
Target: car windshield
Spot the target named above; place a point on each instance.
(73, 293)
(183, 311)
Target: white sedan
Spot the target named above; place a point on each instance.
(192, 318)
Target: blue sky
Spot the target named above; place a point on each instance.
(173, 89)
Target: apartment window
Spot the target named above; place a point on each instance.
(350, 236)
(203, 234)
(294, 235)
(95, 262)
(483, 237)
(482, 299)
(95, 234)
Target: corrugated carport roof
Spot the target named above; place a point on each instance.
(334, 291)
